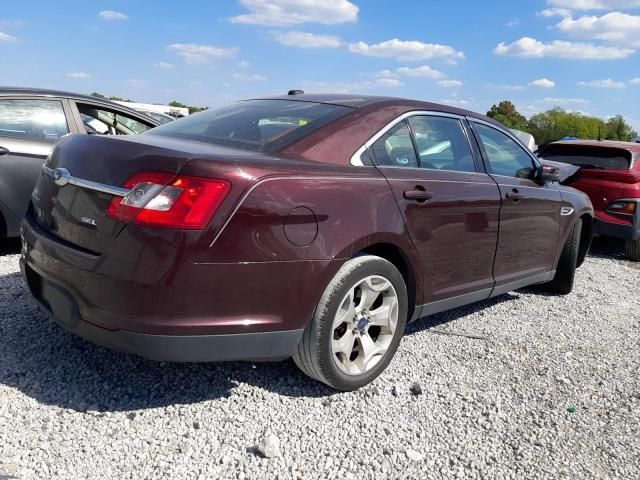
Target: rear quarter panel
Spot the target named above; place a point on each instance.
(349, 210)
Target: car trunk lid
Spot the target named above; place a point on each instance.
(78, 213)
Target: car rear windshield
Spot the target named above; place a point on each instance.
(589, 157)
(258, 125)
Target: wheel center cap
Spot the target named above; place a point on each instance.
(362, 324)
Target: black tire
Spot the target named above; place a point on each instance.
(314, 356)
(562, 283)
(632, 250)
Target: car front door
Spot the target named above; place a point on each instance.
(530, 214)
(451, 208)
(29, 127)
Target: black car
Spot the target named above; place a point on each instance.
(31, 121)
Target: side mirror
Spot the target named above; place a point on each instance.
(548, 173)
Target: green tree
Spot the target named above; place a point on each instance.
(507, 114)
(618, 129)
(98, 95)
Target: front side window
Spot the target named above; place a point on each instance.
(395, 148)
(33, 119)
(100, 121)
(257, 125)
(505, 156)
(442, 143)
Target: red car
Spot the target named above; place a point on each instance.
(312, 226)
(610, 175)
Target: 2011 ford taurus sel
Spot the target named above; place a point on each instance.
(304, 226)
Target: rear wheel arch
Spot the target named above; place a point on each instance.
(399, 259)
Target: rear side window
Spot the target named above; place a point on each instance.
(589, 157)
(442, 144)
(395, 148)
(258, 125)
(33, 119)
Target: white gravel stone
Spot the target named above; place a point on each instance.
(491, 407)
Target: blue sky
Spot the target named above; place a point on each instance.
(578, 54)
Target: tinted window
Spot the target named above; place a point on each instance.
(260, 125)
(101, 121)
(35, 119)
(395, 148)
(442, 144)
(505, 156)
(587, 156)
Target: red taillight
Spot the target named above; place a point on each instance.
(166, 200)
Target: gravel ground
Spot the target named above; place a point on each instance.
(522, 386)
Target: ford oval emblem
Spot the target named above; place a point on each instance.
(61, 176)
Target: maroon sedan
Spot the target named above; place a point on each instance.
(311, 226)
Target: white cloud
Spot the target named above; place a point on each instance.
(564, 102)
(307, 40)
(343, 87)
(407, 50)
(5, 37)
(79, 75)
(511, 88)
(460, 103)
(386, 74)
(594, 4)
(528, 47)
(164, 65)
(293, 12)
(243, 77)
(512, 23)
(138, 83)
(194, 53)
(244, 64)
(607, 83)
(554, 12)
(543, 83)
(423, 72)
(450, 83)
(110, 16)
(615, 27)
(635, 81)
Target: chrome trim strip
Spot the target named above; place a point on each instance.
(355, 158)
(88, 184)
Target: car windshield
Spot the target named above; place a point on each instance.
(589, 157)
(258, 125)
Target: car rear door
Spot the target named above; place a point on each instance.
(450, 206)
(29, 127)
(530, 213)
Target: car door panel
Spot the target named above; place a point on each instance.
(530, 213)
(529, 229)
(451, 215)
(455, 231)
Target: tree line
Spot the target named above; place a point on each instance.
(556, 123)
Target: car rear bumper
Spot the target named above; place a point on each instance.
(617, 230)
(60, 305)
(206, 312)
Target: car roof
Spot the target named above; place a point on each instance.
(629, 146)
(362, 101)
(42, 92)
